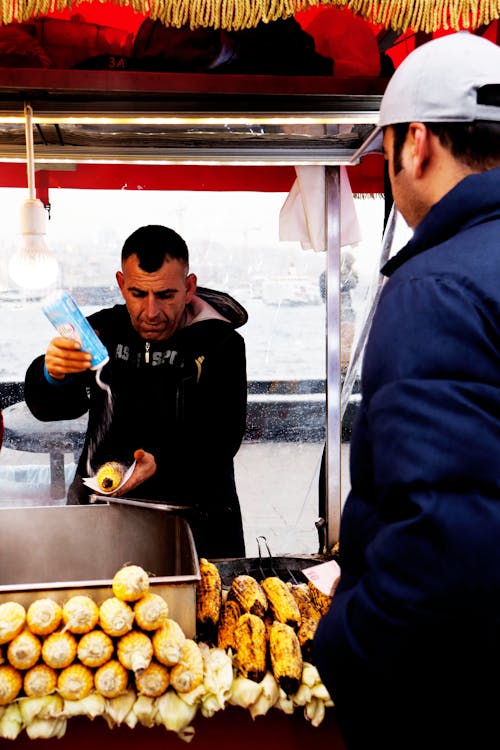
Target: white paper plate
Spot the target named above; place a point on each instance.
(92, 482)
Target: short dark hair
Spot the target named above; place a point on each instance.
(476, 144)
(152, 244)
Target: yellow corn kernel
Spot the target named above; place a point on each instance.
(43, 616)
(40, 680)
(59, 649)
(286, 657)
(283, 606)
(167, 642)
(208, 594)
(153, 681)
(135, 651)
(151, 611)
(130, 583)
(12, 620)
(187, 674)
(24, 650)
(80, 614)
(249, 594)
(110, 475)
(11, 682)
(251, 646)
(95, 648)
(75, 682)
(111, 679)
(116, 617)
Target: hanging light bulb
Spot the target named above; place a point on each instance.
(33, 266)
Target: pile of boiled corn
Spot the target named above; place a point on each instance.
(127, 661)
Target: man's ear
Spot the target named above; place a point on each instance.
(120, 280)
(191, 282)
(420, 147)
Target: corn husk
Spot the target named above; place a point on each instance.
(44, 707)
(314, 711)
(145, 710)
(11, 722)
(285, 703)
(310, 675)
(244, 692)
(302, 696)
(91, 706)
(175, 714)
(268, 697)
(44, 729)
(118, 708)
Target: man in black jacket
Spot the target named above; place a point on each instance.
(172, 396)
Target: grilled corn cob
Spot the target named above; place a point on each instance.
(251, 646)
(43, 616)
(153, 681)
(75, 682)
(24, 650)
(111, 679)
(80, 614)
(109, 476)
(167, 643)
(95, 648)
(40, 680)
(286, 657)
(115, 616)
(229, 616)
(151, 611)
(208, 594)
(59, 649)
(11, 682)
(135, 651)
(309, 617)
(12, 620)
(130, 583)
(187, 674)
(249, 594)
(283, 606)
(321, 601)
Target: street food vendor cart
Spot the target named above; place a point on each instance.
(115, 124)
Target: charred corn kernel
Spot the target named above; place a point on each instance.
(286, 657)
(321, 601)
(12, 620)
(24, 650)
(187, 674)
(153, 681)
(116, 617)
(80, 614)
(229, 616)
(167, 642)
(309, 617)
(251, 647)
(111, 679)
(43, 616)
(11, 682)
(135, 651)
(151, 611)
(249, 594)
(208, 594)
(2, 659)
(40, 680)
(95, 648)
(110, 475)
(130, 583)
(283, 606)
(75, 682)
(59, 649)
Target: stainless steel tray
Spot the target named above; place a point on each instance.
(58, 551)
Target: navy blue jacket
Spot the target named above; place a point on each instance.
(413, 631)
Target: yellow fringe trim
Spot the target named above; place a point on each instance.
(399, 15)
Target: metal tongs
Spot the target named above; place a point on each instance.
(137, 502)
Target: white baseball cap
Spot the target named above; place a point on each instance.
(441, 81)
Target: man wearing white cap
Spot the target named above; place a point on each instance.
(410, 649)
